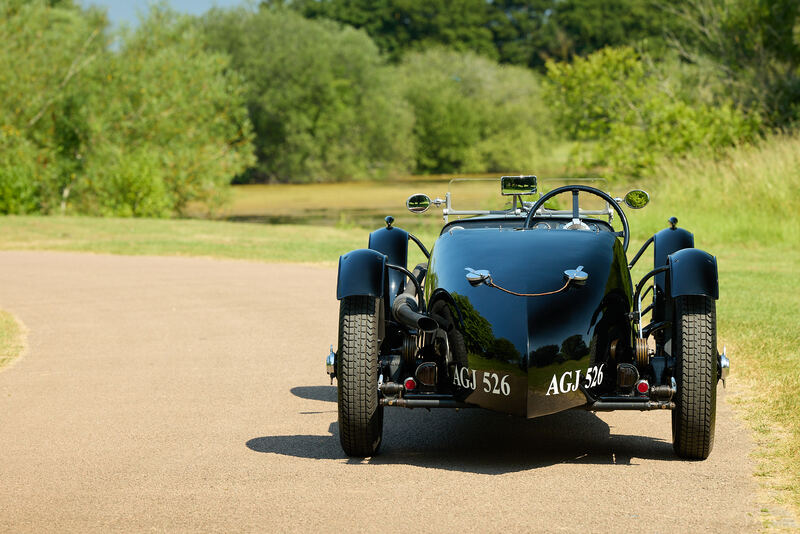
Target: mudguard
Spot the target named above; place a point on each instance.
(666, 242)
(393, 243)
(693, 272)
(361, 272)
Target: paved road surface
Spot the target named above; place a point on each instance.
(175, 394)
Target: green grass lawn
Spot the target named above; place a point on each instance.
(251, 241)
(743, 209)
(12, 339)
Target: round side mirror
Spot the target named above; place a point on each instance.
(637, 199)
(418, 203)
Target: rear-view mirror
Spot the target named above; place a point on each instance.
(637, 199)
(418, 203)
(518, 185)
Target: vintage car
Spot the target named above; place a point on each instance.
(528, 309)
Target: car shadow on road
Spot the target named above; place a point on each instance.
(476, 441)
(320, 393)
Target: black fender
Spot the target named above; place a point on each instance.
(666, 242)
(693, 272)
(392, 242)
(362, 272)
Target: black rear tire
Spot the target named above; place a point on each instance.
(695, 348)
(360, 415)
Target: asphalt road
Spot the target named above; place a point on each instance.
(175, 394)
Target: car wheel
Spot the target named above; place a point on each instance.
(360, 415)
(695, 348)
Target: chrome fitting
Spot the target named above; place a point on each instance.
(476, 277)
(330, 364)
(724, 365)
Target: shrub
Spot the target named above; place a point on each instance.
(634, 115)
(473, 115)
(323, 104)
(141, 131)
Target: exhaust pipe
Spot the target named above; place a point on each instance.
(406, 310)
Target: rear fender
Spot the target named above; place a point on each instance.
(666, 242)
(392, 242)
(362, 272)
(693, 272)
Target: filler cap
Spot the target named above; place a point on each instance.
(577, 275)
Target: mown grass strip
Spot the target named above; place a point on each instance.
(187, 237)
(279, 243)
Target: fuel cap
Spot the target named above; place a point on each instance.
(577, 274)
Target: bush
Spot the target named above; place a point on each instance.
(633, 115)
(323, 104)
(19, 173)
(142, 131)
(473, 115)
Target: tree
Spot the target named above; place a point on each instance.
(632, 114)
(398, 26)
(473, 115)
(138, 132)
(520, 32)
(752, 47)
(323, 104)
(478, 337)
(46, 54)
(590, 25)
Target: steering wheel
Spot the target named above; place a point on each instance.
(576, 218)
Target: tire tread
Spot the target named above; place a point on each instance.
(695, 344)
(360, 416)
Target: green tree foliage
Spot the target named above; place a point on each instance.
(473, 115)
(750, 47)
(503, 349)
(521, 32)
(180, 119)
(46, 53)
(478, 336)
(581, 27)
(574, 348)
(138, 132)
(397, 26)
(632, 115)
(323, 104)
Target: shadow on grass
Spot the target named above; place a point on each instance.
(476, 441)
(316, 217)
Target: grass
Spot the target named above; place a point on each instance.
(275, 243)
(743, 209)
(12, 339)
(750, 203)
